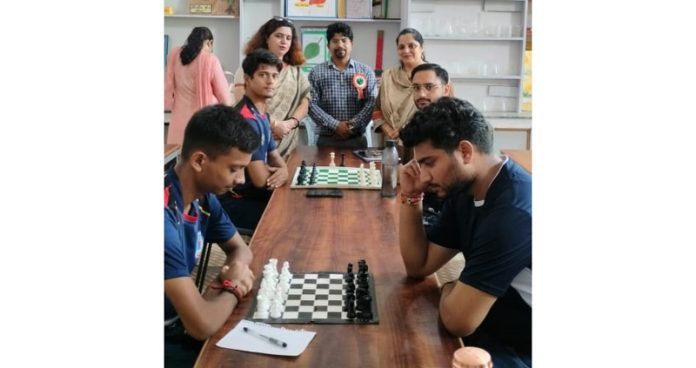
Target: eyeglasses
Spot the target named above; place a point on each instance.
(428, 87)
(281, 19)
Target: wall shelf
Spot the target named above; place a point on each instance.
(434, 38)
(462, 77)
(346, 20)
(187, 16)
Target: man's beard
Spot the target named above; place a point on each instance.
(459, 186)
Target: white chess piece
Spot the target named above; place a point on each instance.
(361, 174)
(374, 174)
(332, 155)
(262, 306)
(276, 310)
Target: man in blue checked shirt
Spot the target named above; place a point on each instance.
(343, 93)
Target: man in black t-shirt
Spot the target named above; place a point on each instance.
(486, 216)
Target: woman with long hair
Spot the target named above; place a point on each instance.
(290, 103)
(395, 98)
(194, 79)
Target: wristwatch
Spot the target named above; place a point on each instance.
(351, 126)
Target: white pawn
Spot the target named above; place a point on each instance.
(333, 157)
(361, 174)
(373, 172)
(276, 309)
(262, 307)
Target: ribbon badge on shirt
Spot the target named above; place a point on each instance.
(360, 83)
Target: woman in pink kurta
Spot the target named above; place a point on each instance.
(194, 79)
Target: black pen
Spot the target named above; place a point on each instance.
(267, 338)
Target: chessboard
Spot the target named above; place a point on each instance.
(326, 298)
(338, 177)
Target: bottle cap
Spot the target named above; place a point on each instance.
(471, 357)
(390, 143)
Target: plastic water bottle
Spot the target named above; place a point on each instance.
(390, 169)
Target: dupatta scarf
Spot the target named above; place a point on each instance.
(396, 97)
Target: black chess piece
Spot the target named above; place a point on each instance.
(350, 287)
(350, 268)
(343, 158)
(362, 266)
(360, 292)
(301, 176)
(313, 176)
(363, 302)
(351, 312)
(363, 285)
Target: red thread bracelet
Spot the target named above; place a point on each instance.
(412, 200)
(229, 286)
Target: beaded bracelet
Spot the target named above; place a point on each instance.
(414, 200)
(230, 287)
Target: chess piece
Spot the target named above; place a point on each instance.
(301, 176)
(332, 155)
(343, 158)
(262, 306)
(351, 311)
(276, 310)
(313, 176)
(361, 175)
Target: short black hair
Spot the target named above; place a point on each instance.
(257, 57)
(445, 123)
(338, 27)
(216, 129)
(440, 72)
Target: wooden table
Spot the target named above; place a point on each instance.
(325, 234)
(170, 152)
(522, 157)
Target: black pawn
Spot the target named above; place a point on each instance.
(343, 158)
(363, 302)
(350, 268)
(351, 312)
(313, 176)
(301, 176)
(363, 284)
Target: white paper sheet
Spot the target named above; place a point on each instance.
(237, 339)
